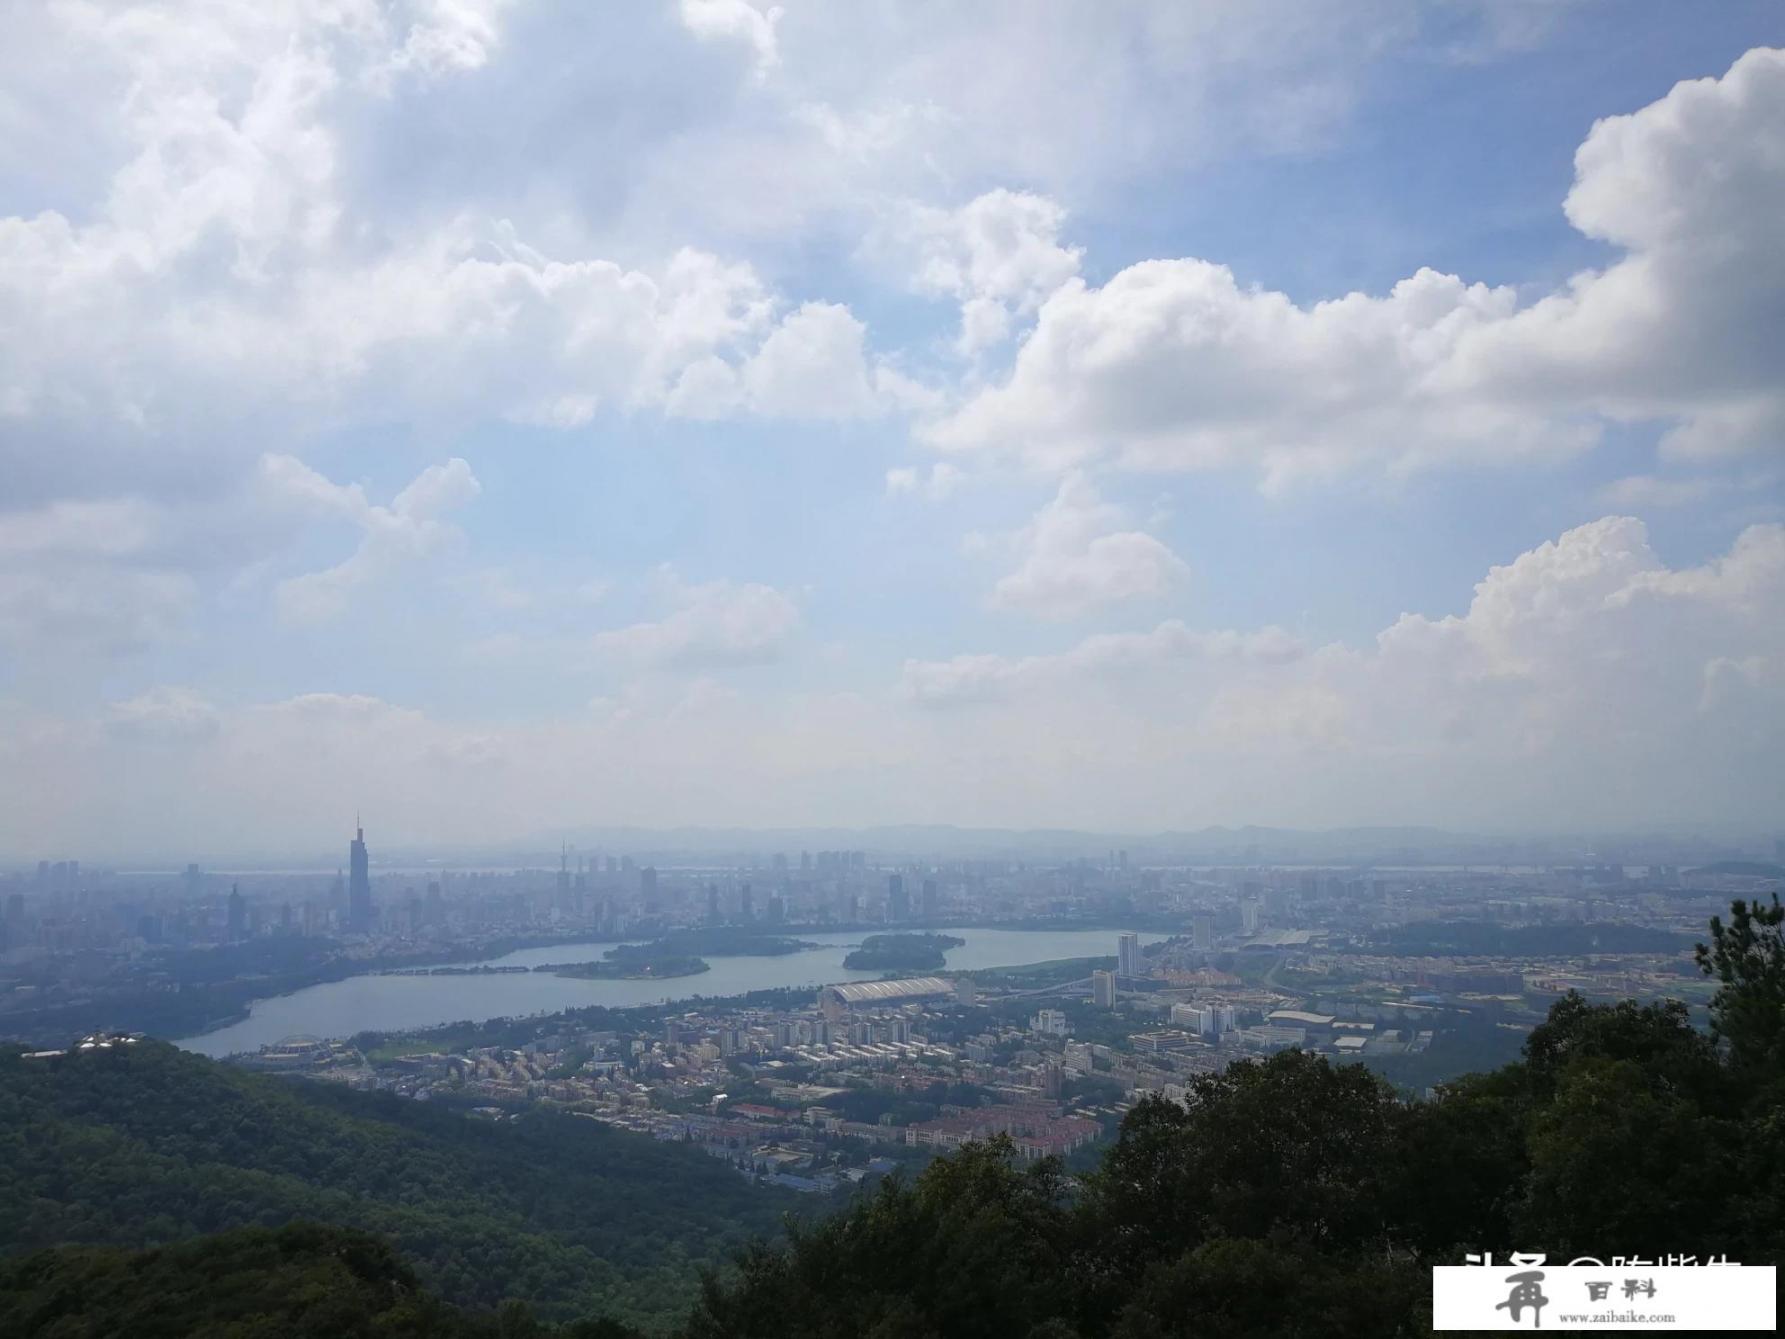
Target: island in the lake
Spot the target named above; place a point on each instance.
(901, 953)
(629, 967)
(678, 954)
(728, 941)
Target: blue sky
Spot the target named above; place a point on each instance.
(506, 415)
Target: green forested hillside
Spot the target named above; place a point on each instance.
(303, 1281)
(147, 1145)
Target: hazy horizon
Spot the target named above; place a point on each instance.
(511, 418)
(1258, 844)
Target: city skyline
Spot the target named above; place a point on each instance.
(1202, 416)
(785, 851)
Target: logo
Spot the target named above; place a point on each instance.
(1527, 1294)
(1527, 1291)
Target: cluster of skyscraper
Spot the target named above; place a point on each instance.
(58, 876)
(898, 899)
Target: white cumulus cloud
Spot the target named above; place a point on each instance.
(410, 529)
(1586, 682)
(736, 21)
(709, 624)
(999, 256)
(1075, 557)
(1172, 364)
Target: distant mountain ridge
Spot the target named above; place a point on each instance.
(1382, 845)
(1247, 845)
(1378, 845)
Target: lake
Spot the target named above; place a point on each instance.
(393, 1003)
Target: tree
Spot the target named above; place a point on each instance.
(1658, 1037)
(976, 1245)
(1246, 1289)
(1290, 1145)
(1748, 957)
(1460, 1165)
(1618, 1156)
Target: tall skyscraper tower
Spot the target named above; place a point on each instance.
(898, 905)
(359, 882)
(1103, 989)
(1203, 931)
(1128, 959)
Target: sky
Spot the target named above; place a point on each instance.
(500, 416)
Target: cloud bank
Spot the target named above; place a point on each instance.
(1586, 684)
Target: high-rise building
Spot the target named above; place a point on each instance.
(712, 904)
(238, 914)
(1207, 1020)
(1203, 931)
(359, 883)
(746, 904)
(898, 903)
(932, 902)
(1249, 915)
(1128, 960)
(1103, 989)
(647, 887)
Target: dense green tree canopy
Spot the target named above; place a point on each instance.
(1748, 957)
(147, 1145)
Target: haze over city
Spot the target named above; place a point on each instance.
(520, 419)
